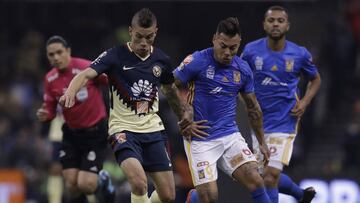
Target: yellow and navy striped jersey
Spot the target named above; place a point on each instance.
(134, 83)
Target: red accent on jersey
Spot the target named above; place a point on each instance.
(89, 107)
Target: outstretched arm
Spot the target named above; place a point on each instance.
(256, 121)
(79, 81)
(312, 88)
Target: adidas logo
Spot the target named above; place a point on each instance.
(94, 168)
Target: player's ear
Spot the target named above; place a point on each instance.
(69, 50)
(130, 31)
(288, 27)
(264, 25)
(214, 38)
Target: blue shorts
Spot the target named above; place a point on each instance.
(149, 148)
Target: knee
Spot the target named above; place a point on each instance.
(87, 186)
(138, 185)
(208, 197)
(256, 181)
(71, 186)
(167, 198)
(271, 178)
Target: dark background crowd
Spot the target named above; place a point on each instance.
(328, 145)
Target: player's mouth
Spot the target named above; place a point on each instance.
(275, 31)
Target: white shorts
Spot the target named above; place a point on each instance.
(229, 152)
(280, 146)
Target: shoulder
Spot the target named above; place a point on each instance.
(242, 66)
(255, 44)
(203, 57)
(301, 50)
(160, 54)
(52, 75)
(80, 62)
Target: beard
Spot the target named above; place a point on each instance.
(276, 37)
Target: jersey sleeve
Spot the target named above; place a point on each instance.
(166, 76)
(104, 61)
(308, 67)
(189, 68)
(50, 101)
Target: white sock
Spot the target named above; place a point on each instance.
(154, 198)
(55, 189)
(140, 199)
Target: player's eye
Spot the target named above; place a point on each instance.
(223, 46)
(149, 37)
(138, 36)
(281, 20)
(270, 20)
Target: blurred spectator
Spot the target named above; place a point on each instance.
(352, 139)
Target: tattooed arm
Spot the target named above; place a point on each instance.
(256, 121)
(177, 104)
(183, 111)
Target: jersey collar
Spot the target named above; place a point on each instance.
(142, 58)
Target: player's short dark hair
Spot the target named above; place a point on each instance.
(144, 18)
(57, 39)
(229, 27)
(275, 8)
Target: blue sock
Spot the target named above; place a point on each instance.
(260, 196)
(273, 194)
(194, 197)
(287, 186)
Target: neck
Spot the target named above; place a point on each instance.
(276, 45)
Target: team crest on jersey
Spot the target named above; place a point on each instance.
(259, 63)
(289, 65)
(236, 76)
(157, 71)
(186, 61)
(210, 72)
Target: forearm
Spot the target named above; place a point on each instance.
(255, 116)
(77, 83)
(256, 122)
(177, 104)
(312, 89)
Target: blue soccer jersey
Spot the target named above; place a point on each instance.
(134, 84)
(276, 76)
(214, 89)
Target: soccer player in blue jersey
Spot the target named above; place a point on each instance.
(135, 71)
(216, 77)
(277, 65)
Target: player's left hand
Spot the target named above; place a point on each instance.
(299, 109)
(265, 151)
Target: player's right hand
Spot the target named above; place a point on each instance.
(265, 151)
(193, 129)
(67, 100)
(42, 114)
